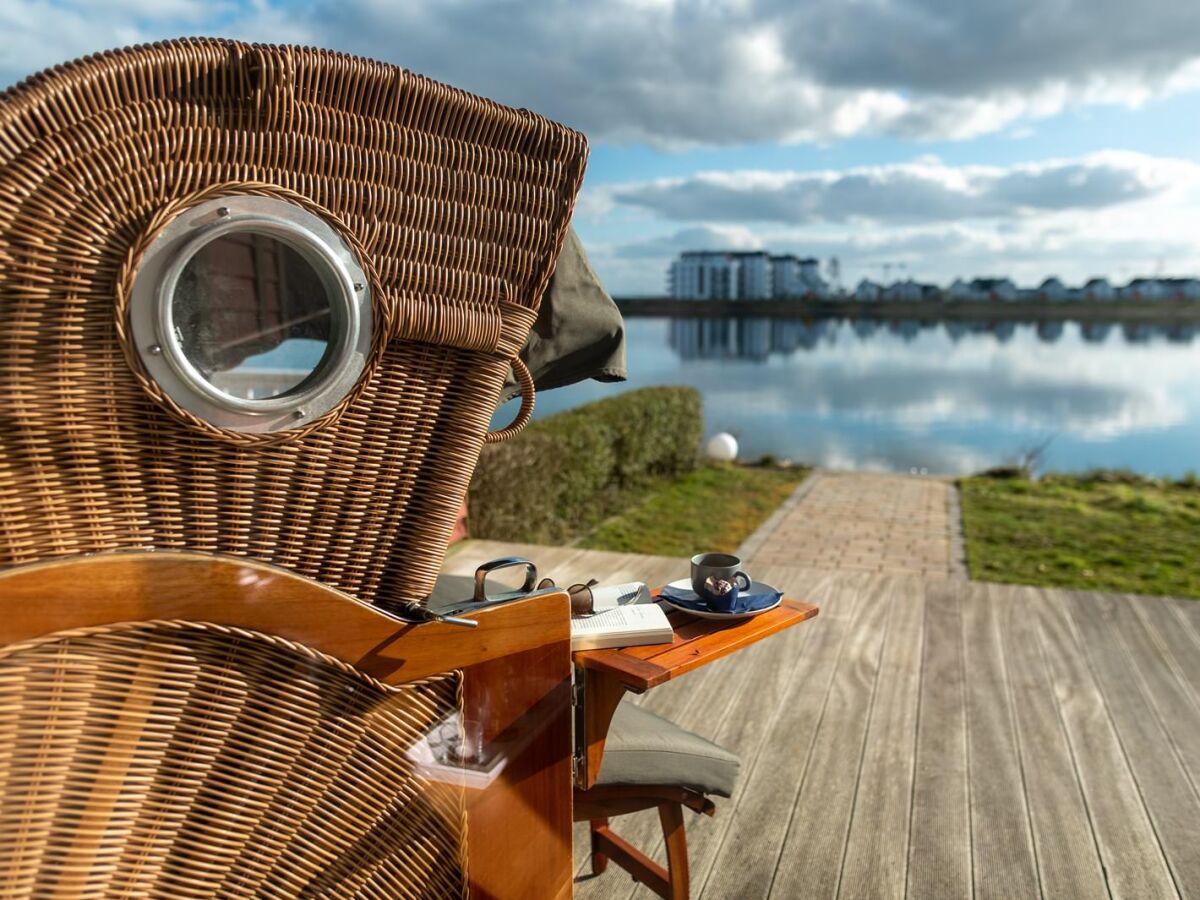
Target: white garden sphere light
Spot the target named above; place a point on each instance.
(722, 447)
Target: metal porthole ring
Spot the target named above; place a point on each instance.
(525, 380)
(382, 313)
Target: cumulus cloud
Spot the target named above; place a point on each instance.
(1075, 250)
(1109, 214)
(37, 34)
(722, 237)
(704, 71)
(925, 191)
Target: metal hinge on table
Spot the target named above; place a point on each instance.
(579, 752)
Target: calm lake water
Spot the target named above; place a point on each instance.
(947, 398)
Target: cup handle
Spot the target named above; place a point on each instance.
(741, 587)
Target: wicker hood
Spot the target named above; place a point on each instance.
(456, 207)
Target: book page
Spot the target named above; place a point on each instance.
(629, 619)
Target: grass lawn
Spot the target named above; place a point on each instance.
(715, 507)
(1103, 533)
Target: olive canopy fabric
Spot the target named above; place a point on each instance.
(579, 333)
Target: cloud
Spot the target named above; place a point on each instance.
(1117, 215)
(37, 34)
(719, 237)
(925, 191)
(678, 72)
(1119, 250)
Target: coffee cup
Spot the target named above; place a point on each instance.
(718, 567)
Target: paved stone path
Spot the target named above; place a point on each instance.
(857, 521)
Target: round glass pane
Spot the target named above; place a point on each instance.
(252, 315)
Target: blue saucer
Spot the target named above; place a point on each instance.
(758, 599)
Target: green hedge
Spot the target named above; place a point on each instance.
(569, 471)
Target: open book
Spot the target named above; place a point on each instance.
(638, 620)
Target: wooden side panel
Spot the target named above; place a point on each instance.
(138, 586)
(519, 826)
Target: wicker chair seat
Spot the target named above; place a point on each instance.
(184, 759)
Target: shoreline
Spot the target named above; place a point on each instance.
(1157, 311)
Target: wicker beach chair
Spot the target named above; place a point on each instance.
(204, 687)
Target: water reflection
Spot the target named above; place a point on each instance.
(759, 338)
(950, 397)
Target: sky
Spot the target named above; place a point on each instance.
(922, 138)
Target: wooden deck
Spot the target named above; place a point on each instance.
(936, 739)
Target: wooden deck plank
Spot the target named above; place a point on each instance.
(742, 729)
(939, 860)
(1105, 623)
(1169, 620)
(702, 709)
(1002, 854)
(1164, 682)
(742, 726)
(1169, 661)
(876, 859)
(1133, 860)
(746, 729)
(745, 862)
(1190, 610)
(1068, 860)
(680, 701)
(811, 857)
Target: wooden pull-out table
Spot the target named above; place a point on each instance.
(603, 676)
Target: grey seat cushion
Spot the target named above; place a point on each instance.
(643, 748)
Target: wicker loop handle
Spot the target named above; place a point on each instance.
(272, 85)
(525, 380)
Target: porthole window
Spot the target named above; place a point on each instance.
(251, 313)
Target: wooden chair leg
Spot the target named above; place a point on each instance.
(599, 857)
(675, 836)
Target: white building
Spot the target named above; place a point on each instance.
(994, 289)
(704, 275)
(754, 276)
(906, 290)
(1183, 288)
(1099, 289)
(984, 289)
(758, 275)
(795, 277)
(867, 291)
(1144, 289)
(1052, 289)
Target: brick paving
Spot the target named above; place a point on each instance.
(867, 522)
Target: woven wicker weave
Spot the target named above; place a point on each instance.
(456, 207)
(176, 759)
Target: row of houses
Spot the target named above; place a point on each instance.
(758, 275)
(1052, 290)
